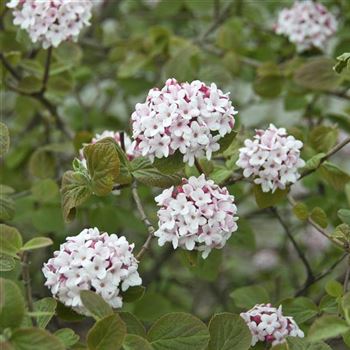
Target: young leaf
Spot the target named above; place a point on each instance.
(344, 215)
(10, 240)
(67, 337)
(108, 333)
(334, 289)
(268, 199)
(75, 191)
(178, 330)
(96, 306)
(302, 309)
(336, 177)
(4, 139)
(327, 327)
(133, 294)
(319, 216)
(323, 138)
(7, 263)
(11, 304)
(135, 342)
(301, 211)
(37, 243)
(228, 332)
(247, 297)
(35, 339)
(44, 310)
(314, 162)
(133, 325)
(7, 206)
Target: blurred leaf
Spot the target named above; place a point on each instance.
(30, 84)
(319, 216)
(317, 74)
(334, 288)
(314, 162)
(67, 314)
(178, 330)
(135, 342)
(68, 52)
(107, 333)
(268, 199)
(45, 190)
(75, 191)
(323, 138)
(7, 205)
(220, 174)
(4, 139)
(268, 86)
(133, 293)
(228, 332)
(7, 263)
(301, 309)
(67, 337)
(226, 141)
(344, 215)
(343, 61)
(336, 177)
(247, 297)
(327, 327)
(37, 243)
(10, 240)
(12, 305)
(133, 325)
(42, 164)
(95, 304)
(35, 339)
(301, 211)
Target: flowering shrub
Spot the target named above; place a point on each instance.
(272, 158)
(92, 261)
(186, 117)
(181, 270)
(51, 22)
(268, 324)
(196, 215)
(307, 24)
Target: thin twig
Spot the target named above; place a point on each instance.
(329, 154)
(337, 94)
(310, 275)
(47, 71)
(144, 218)
(198, 166)
(9, 67)
(27, 285)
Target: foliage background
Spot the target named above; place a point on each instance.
(131, 47)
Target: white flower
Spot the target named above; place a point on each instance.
(272, 158)
(186, 117)
(267, 324)
(92, 261)
(196, 215)
(307, 24)
(51, 22)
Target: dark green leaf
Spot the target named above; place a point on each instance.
(95, 304)
(268, 199)
(135, 342)
(319, 216)
(133, 293)
(336, 177)
(4, 139)
(133, 325)
(247, 297)
(171, 164)
(301, 308)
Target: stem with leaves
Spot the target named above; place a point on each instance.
(145, 220)
(27, 284)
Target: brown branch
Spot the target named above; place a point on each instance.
(47, 71)
(27, 285)
(198, 166)
(310, 275)
(9, 67)
(145, 220)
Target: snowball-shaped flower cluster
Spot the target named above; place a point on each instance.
(273, 158)
(186, 117)
(196, 215)
(307, 24)
(267, 324)
(51, 21)
(92, 261)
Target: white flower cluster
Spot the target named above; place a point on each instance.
(92, 261)
(185, 117)
(196, 215)
(307, 24)
(267, 324)
(273, 158)
(51, 22)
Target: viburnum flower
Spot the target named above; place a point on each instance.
(186, 117)
(307, 24)
(272, 158)
(93, 261)
(51, 22)
(267, 324)
(197, 214)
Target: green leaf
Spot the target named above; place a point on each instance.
(346, 338)
(178, 330)
(334, 288)
(133, 325)
(135, 342)
(247, 297)
(344, 215)
(228, 332)
(35, 339)
(342, 232)
(108, 333)
(336, 177)
(220, 174)
(67, 337)
(317, 74)
(45, 190)
(10, 240)
(268, 199)
(67, 314)
(226, 141)
(95, 304)
(327, 327)
(12, 305)
(7, 206)
(314, 162)
(47, 305)
(133, 294)
(342, 62)
(103, 165)
(301, 308)
(171, 164)
(7, 263)
(301, 211)
(37, 243)
(323, 138)
(30, 84)
(144, 172)
(319, 216)
(75, 191)
(42, 164)
(4, 139)
(268, 86)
